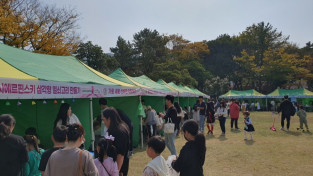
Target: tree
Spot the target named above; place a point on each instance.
(94, 57)
(216, 86)
(28, 24)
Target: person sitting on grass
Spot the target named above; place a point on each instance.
(156, 167)
(248, 125)
(302, 117)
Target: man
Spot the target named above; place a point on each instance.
(171, 115)
(234, 113)
(202, 109)
(286, 108)
(58, 138)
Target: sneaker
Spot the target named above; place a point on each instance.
(282, 128)
(298, 128)
(223, 134)
(245, 139)
(287, 129)
(303, 131)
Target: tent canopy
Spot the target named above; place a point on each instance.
(297, 93)
(243, 94)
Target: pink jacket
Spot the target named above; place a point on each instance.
(234, 111)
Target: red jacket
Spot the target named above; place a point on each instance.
(234, 111)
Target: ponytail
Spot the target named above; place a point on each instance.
(32, 140)
(107, 148)
(200, 142)
(6, 121)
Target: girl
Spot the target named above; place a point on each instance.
(72, 160)
(221, 113)
(248, 125)
(106, 161)
(12, 148)
(117, 128)
(65, 116)
(192, 155)
(34, 154)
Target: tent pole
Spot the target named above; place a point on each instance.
(91, 125)
(141, 128)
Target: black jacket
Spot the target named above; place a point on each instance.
(171, 113)
(286, 108)
(189, 163)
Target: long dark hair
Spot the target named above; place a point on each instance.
(32, 139)
(107, 148)
(178, 108)
(115, 120)
(6, 121)
(62, 114)
(192, 127)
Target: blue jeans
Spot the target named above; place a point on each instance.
(170, 142)
(201, 128)
(222, 123)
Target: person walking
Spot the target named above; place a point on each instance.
(13, 152)
(171, 115)
(302, 117)
(202, 109)
(234, 114)
(286, 108)
(221, 113)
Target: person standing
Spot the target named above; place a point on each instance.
(221, 113)
(202, 109)
(302, 117)
(13, 153)
(151, 122)
(171, 115)
(120, 131)
(286, 108)
(192, 156)
(34, 155)
(234, 114)
(65, 116)
(210, 116)
(103, 105)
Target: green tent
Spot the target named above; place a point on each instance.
(243, 94)
(297, 93)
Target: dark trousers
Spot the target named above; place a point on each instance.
(222, 123)
(153, 130)
(232, 123)
(283, 117)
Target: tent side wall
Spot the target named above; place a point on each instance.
(42, 116)
(127, 104)
(156, 103)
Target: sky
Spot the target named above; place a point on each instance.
(102, 21)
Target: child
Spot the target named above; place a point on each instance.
(34, 155)
(248, 125)
(156, 167)
(302, 117)
(107, 154)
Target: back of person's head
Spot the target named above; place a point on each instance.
(223, 104)
(200, 97)
(286, 97)
(59, 133)
(6, 121)
(157, 144)
(301, 107)
(192, 127)
(74, 132)
(170, 98)
(32, 140)
(62, 114)
(106, 147)
(31, 131)
(176, 105)
(142, 101)
(103, 101)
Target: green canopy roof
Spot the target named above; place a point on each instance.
(298, 93)
(144, 80)
(243, 94)
(120, 75)
(50, 67)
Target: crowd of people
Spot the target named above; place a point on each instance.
(113, 139)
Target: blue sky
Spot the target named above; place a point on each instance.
(102, 21)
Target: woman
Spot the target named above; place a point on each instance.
(12, 148)
(65, 116)
(192, 155)
(34, 154)
(119, 130)
(221, 113)
(72, 160)
(180, 115)
(151, 121)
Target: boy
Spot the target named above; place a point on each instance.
(58, 139)
(156, 167)
(302, 117)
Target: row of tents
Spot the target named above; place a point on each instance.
(33, 86)
(278, 93)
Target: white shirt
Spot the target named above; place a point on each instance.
(221, 112)
(72, 119)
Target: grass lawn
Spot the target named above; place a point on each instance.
(271, 153)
